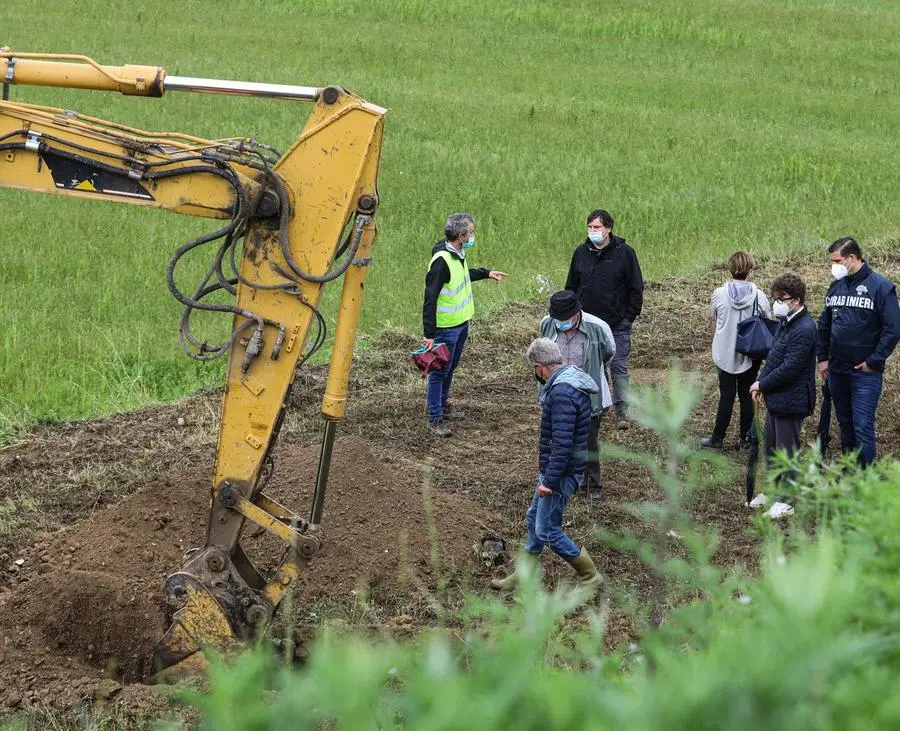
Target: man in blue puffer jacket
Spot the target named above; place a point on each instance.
(565, 424)
(858, 330)
(787, 381)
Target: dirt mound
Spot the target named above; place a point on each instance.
(85, 603)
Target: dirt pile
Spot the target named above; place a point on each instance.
(85, 604)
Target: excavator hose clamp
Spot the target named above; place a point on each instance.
(33, 141)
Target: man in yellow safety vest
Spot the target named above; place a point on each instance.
(447, 310)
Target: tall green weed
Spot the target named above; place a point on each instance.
(810, 642)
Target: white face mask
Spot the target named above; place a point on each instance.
(839, 271)
(781, 309)
(596, 237)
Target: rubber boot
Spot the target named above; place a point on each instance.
(512, 581)
(584, 567)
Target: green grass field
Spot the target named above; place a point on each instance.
(703, 126)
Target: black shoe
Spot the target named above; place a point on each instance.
(595, 493)
(623, 422)
(711, 443)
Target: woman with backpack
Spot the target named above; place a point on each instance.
(733, 302)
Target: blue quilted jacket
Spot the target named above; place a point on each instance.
(788, 378)
(565, 422)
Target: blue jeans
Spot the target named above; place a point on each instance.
(544, 520)
(438, 389)
(855, 397)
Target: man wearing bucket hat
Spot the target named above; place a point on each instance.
(446, 312)
(587, 342)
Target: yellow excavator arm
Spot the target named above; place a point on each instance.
(295, 222)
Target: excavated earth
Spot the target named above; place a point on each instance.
(85, 604)
(94, 515)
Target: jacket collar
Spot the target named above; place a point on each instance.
(614, 243)
(794, 315)
(864, 271)
(444, 245)
(545, 389)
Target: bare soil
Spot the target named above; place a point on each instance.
(94, 515)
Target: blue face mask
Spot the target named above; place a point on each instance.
(563, 325)
(470, 243)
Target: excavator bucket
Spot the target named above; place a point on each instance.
(199, 626)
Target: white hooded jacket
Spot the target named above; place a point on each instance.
(731, 303)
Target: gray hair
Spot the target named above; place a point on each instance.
(543, 352)
(458, 224)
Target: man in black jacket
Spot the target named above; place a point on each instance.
(858, 330)
(788, 378)
(606, 276)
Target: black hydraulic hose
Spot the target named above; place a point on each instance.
(329, 276)
(14, 133)
(231, 233)
(227, 284)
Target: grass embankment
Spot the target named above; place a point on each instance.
(704, 126)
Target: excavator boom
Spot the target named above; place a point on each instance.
(295, 222)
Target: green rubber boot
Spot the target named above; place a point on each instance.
(588, 575)
(512, 581)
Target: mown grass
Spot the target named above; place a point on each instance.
(703, 126)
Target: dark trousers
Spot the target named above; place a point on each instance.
(855, 396)
(824, 430)
(782, 432)
(592, 473)
(438, 389)
(733, 385)
(618, 366)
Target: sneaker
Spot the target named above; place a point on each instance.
(779, 510)
(759, 501)
(454, 415)
(439, 428)
(711, 443)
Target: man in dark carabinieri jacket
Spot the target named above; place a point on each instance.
(787, 381)
(606, 276)
(858, 330)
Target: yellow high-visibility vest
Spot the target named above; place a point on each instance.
(454, 303)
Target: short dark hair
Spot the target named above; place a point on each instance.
(846, 245)
(791, 285)
(604, 217)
